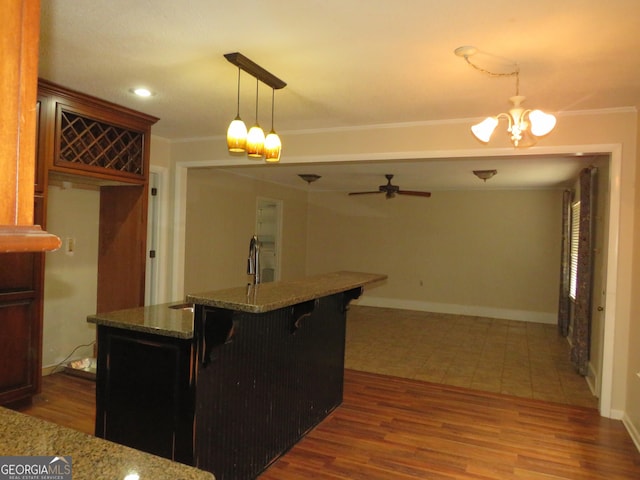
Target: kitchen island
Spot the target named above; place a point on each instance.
(230, 380)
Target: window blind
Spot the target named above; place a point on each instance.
(575, 240)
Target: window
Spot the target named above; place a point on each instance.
(575, 240)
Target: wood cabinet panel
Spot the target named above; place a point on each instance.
(144, 392)
(122, 247)
(19, 348)
(17, 272)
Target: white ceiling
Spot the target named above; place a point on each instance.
(347, 63)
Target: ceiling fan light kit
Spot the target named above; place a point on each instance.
(309, 177)
(254, 142)
(524, 125)
(390, 190)
(484, 174)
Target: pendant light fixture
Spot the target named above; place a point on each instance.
(237, 131)
(255, 137)
(524, 125)
(272, 144)
(256, 145)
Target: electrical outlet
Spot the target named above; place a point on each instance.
(69, 245)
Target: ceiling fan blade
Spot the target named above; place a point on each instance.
(365, 193)
(414, 193)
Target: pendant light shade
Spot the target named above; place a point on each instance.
(255, 142)
(272, 147)
(237, 131)
(272, 144)
(237, 135)
(255, 137)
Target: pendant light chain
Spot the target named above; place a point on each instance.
(273, 96)
(515, 73)
(257, 85)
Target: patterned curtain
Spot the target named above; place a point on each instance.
(581, 338)
(564, 306)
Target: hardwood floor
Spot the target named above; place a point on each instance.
(66, 400)
(392, 428)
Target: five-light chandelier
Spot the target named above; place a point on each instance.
(525, 126)
(254, 142)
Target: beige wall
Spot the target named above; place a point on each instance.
(220, 220)
(492, 253)
(70, 280)
(160, 152)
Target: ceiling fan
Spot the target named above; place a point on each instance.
(391, 190)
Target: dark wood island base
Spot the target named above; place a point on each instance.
(255, 373)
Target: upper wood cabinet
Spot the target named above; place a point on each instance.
(92, 137)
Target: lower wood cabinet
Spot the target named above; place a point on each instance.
(19, 347)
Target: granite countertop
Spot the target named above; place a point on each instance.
(265, 297)
(176, 320)
(167, 319)
(91, 457)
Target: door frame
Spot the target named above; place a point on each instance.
(615, 166)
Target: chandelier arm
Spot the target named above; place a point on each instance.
(507, 116)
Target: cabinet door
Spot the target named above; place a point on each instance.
(18, 349)
(144, 393)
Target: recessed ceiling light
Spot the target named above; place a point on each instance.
(142, 92)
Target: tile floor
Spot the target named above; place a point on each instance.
(502, 356)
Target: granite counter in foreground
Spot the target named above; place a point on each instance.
(91, 457)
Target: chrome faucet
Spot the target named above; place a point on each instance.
(253, 262)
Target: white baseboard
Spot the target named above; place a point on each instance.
(633, 431)
(503, 313)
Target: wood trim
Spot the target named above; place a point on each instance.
(26, 238)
